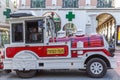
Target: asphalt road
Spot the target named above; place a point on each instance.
(61, 75)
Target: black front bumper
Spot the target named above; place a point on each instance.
(112, 50)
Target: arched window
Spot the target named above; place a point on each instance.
(56, 19)
(106, 26)
(70, 3)
(70, 28)
(38, 3)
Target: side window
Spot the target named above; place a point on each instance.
(34, 31)
(17, 32)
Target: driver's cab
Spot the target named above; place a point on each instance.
(31, 30)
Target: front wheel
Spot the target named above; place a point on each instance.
(96, 68)
(26, 74)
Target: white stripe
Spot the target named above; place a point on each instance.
(95, 48)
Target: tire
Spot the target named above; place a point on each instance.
(26, 74)
(96, 68)
(7, 71)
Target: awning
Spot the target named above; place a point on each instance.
(4, 27)
(22, 14)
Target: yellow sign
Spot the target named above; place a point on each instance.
(55, 50)
(119, 34)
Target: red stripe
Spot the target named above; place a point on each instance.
(98, 50)
(74, 54)
(85, 51)
(1, 65)
(39, 50)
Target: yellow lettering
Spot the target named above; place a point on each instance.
(55, 51)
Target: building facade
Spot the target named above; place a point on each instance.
(67, 3)
(6, 7)
(90, 16)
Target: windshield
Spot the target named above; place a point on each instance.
(50, 28)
